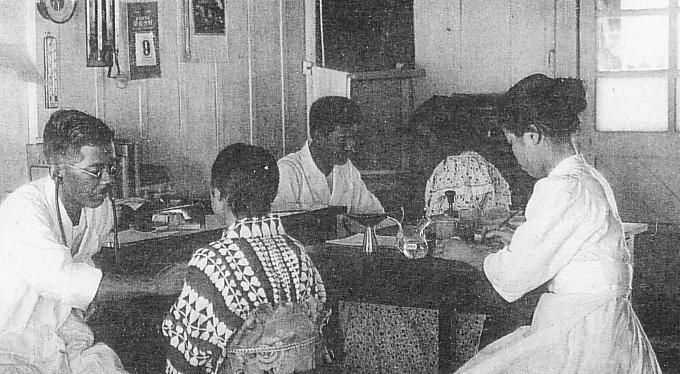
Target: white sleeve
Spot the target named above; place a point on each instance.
(32, 250)
(363, 200)
(289, 188)
(560, 217)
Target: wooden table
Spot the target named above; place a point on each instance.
(132, 326)
(386, 276)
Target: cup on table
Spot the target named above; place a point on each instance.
(411, 242)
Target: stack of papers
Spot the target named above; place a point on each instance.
(357, 240)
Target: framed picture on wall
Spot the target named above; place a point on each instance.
(204, 29)
(208, 17)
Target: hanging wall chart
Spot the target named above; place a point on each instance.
(143, 40)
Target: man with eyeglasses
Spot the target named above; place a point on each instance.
(49, 230)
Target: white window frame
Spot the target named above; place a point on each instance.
(588, 23)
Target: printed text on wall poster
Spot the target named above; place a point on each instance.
(143, 40)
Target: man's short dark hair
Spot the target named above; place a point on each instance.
(248, 177)
(330, 112)
(69, 130)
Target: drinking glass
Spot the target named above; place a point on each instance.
(411, 240)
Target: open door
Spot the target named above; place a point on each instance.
(320, 80)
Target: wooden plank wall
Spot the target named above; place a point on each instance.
(13, 93)
(196, 108)
(486, 46)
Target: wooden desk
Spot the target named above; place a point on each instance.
(388, 277)
(132, 326)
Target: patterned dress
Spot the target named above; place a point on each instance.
(254, 262)
(477, 183)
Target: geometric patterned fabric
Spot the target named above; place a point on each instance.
(254, 262)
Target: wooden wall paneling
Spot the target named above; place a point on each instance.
(437, 37)
(122, 108)
(295, 97)
(645, 187)
(176, 106)
(235, 80)
(266, 74)
(195, 132)
(13, 94)
(532, 33)
(78, 83)
(234, 100)
(566, 39)
(486, 46)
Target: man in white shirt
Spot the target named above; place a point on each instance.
(321, 173)
(49, 230)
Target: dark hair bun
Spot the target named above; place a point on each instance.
(569, 95)
(552, 105)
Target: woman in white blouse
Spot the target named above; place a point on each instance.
(573, 239)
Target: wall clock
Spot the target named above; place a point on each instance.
(58, 11)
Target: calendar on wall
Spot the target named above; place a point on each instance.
(143, 40)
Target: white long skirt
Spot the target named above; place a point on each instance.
(572, 334)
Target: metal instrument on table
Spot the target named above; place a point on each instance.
(370, 221)
(128, 155)
(446, 224)
(465, 224)
(450, 198)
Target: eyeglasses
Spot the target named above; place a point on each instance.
(111, 170)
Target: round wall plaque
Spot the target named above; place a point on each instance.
(58, 11)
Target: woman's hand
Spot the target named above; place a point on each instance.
(458, 250)
(503, 235)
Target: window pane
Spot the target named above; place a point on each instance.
(631, 4)
(632, 43)
(632, 104)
